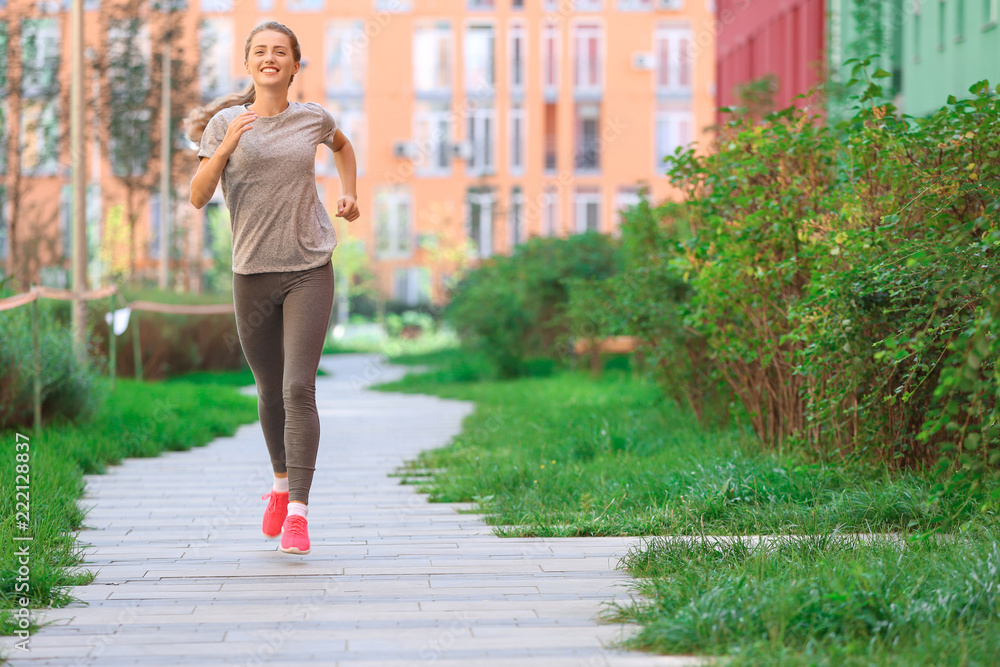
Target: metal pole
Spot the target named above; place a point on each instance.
(165, 148)
(112, 343)
(38, 366)
(79, 187)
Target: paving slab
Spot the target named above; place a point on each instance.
(185, 577)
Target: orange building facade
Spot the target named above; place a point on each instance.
(477, 123)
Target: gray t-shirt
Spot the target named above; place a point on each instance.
(269, 184)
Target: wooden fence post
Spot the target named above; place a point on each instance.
(38, 366)
(136, 346)
(112, 342)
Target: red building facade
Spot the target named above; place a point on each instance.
(786, 38)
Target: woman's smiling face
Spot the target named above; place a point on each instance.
(270, 61)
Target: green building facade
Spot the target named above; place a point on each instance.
(948, 45)
(932, 48)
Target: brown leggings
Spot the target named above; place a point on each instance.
(282, 320)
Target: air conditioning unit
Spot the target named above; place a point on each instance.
(642, 60)
(404, 149)
(462, 150)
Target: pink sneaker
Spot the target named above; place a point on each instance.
(295, 535)
(274, 515)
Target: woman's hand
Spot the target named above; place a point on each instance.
(347, 208)
(236, 128)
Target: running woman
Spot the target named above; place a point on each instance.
(263, 148)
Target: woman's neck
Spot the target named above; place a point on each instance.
(269, 103)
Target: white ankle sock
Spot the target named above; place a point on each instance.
(280, 485)
(298, 508)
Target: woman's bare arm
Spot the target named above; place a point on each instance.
(207, 178)
(210, 170)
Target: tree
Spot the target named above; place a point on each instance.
(129, 104)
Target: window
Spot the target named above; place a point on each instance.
(673, 61)
(394, 6)
(479, 227)
(3, 134)
(92, 213)
(394, 228)
(917, 42)
(40, 44)
(164, 5)
(627, 198)
(3, 59)
(155, 226)
(959, 20)
(346, 53)
(265, 5)
(131, 142)
(550, 211)
(304, 5)
(129, 57)
(350, 116)
(216, 215)
(551, 137)
(587, 207)
(673, 131)
(479, 68)
(589, 5)
(517, 4)
(432, 134)
(39, 138)
(516, 218)
(393, 222)
(517, 58)
(990, 12)
(482, 4)
(517, 135)
(4, 237)
(481, 135)
(432, 49)
(216, 63)
(588, 58)
(216, 5)
(588, 143)
(550, 60)
(942, 15)
(635, 5)
(412, 285)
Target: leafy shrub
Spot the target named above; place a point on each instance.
(842, 279)
(512, 308)
(68, 388)
(651, 299)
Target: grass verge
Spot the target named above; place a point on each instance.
(570, 455)
(137, 419)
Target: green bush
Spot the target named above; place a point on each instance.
(840, 281)
(68, 389)
(513, 308)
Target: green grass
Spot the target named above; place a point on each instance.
(394, 347)
(138, 419)
(821, 601)
(570, 455)
(240, 378)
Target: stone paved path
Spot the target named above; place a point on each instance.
(185, 577)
